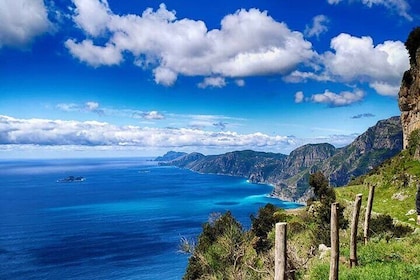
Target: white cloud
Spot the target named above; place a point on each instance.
(344, 98)
(21, 21)
(68, 107)
(165, 76)
(94, 107)
(385, 89)
(153, 115)
(46, 132)
(383, 64)
(401, 7)
(212, 82)
(299, 76)
(173, 47)
(299, 97)
(96, 56)
(240, 82)
(319, 26)
(43, 137)
(92, 16)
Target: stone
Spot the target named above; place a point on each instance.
(411, 212)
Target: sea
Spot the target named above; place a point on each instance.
(124, 221)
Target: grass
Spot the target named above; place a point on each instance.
(381, 260)
(385, 256)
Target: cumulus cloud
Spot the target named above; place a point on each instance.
(171, 47)
(380, 66)
(319, 26)
(386, 89)
(401, 7)
(21, 21)
(46, 132)
(299, 97)
(213, 82)
(92, 16)
(94, 55)
(344, 98)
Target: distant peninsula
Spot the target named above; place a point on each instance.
(289, 174)
(171, 155)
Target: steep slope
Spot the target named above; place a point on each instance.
(377, 144)
(409, 93)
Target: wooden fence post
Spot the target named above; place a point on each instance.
(335, 252)
(368, 213)
(353, 234)
(280, 251)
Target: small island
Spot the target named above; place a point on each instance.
(71, 179)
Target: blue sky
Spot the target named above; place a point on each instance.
(139, 78)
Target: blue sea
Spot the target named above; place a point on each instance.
(125, 221)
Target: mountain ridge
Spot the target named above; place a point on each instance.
(289, 174)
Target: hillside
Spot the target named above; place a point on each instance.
(289, 173)
(224, 250)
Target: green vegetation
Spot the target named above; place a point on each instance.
(413, 43)
(414, 143)
(226, 251)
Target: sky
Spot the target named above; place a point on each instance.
(112, 78)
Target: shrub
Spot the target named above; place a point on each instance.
(383, 226)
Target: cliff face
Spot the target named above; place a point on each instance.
(409, 98)
(290, 174)
(370, 149)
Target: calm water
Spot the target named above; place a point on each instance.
(124, 222)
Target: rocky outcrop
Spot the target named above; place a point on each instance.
(409, 94)
(290, 174)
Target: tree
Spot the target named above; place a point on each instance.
(412, 44)
(321, 208)
(263, 224)
(322, 190)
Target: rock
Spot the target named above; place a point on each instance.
(399, 196)
(323, 250)
(411, 212)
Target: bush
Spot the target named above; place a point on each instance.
(383, 226)
(209, 256)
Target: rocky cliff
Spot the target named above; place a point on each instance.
(290, 174)
(409, 94)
